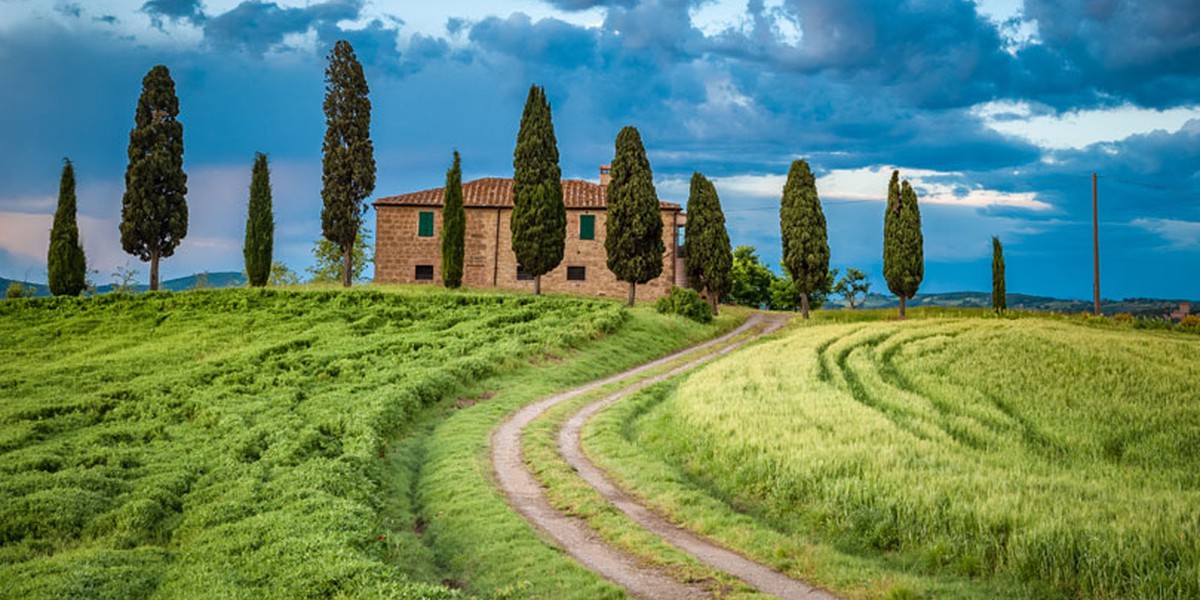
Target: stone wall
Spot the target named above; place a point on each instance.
(399, 250)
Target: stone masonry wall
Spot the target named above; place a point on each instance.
(399, 250)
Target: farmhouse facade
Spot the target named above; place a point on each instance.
(408, 246)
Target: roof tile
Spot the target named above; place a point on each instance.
(496, 192)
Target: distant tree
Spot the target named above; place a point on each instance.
(260, 225)
(709, 257)
(539, 218)
(17, 290)
(802, 225)
(154, 213)
(282, 275)
(903, 245)
(65, 262)
(634, 226)
(750, 280)
(999, 302)
(454, 226)
(785, 295)
(348, 162)
(851, 285)
(330, 260)
(123, 280)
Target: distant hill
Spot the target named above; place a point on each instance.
(221, 279)
(1145, 307)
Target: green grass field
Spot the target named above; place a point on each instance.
(232, 443)
(940, 457)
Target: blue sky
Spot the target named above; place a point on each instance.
(998, 111)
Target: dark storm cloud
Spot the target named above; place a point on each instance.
(258, 26)
(550, 41)
(175, 11)
(1143, 52)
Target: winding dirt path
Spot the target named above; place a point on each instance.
(525, 493)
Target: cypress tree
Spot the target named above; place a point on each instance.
(154, 213)
(66, 262)
(709, 256)
(805, 240)
(260, 224)
(903, 245)
(999, 302)
(634, 226)
(454, 226)
(539, 218)
(348, 161)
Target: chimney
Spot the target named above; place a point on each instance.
(605, 174)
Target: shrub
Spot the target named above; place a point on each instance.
(1123, 318)
(16, 290)
(686, 302)
(1192, 321)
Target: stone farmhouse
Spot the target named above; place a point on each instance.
(408, 245)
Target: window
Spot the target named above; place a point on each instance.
(424, 272)
(425, 225)
(576, 273)
(587, 227)
(522, 275)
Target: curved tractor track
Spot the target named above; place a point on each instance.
(526, 495)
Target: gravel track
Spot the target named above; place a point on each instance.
(573, 535)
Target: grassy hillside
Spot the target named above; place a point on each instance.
(230, 443)
(1143, 307)
(944, 457)
(222, 279)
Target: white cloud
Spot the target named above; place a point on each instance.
(870, 184)
(1180, 235)
(1079, 129)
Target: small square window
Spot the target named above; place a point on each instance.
(576, 273)
(587, 227)
(522, 275)
(424, 273)
(425, 224)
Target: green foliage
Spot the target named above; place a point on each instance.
(539, 217)
(903, 245)
(999, 302)
(785, 294)
(330, 261)
(247, 463)
(805, 241)
(634, 226)
(66, 263)
(16, 290)
(750, 280)
(154, 213)
(348, 160)
(851, 285)
(454, 226)
(281, 275)
(260, 225)
(686, 302)
(709, 258)
(922, 455)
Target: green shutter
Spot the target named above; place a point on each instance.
(587, 227)
(425, 225)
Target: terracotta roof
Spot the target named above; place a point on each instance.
(497, 192)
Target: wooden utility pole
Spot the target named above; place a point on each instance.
(1095, 250)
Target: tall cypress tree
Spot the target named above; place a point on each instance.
(805, 240)
(154, 213)
(348, 163)
(709, 257)
(633, 229)
(66, 262)
(539, 218)
(454, 226)
(999, 302)
(903, 245)
(260, 224)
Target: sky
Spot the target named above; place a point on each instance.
(997, 111)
